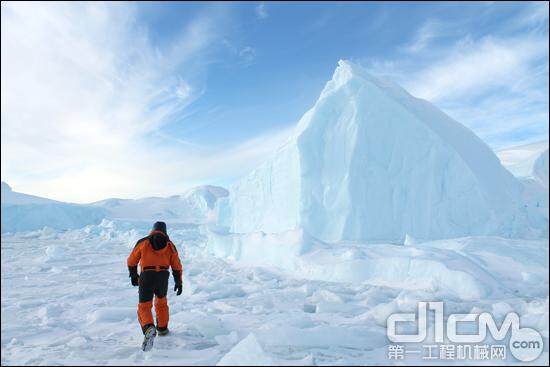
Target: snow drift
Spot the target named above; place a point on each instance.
(371, 162)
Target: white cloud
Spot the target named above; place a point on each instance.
(495, 85)
(471, 68)
(247, 55)
(84, 92)
(170, 170)
(201, 166)
(427, 32)
(261, 11)
(536, 15)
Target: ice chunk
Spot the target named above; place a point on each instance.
(79, 341)
(322, 336)
(247, 352)
(396, 266)
(111, 314)
(278, 250)
(54, 252)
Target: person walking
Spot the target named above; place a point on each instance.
(155, 254)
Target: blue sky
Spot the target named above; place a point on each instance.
(137, 99)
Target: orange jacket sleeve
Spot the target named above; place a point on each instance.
(135, 255)
(175, 262)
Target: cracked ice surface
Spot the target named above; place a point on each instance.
(67, 299)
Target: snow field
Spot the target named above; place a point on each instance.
(67, 299)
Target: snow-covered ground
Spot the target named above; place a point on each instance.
(66, 296)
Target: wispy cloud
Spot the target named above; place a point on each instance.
(473, 67)
(535, 16)
(172, 169)
(199, 167)
(496, 85)
(427, 32)
(247, 55)
(85, 91)
(261, 11)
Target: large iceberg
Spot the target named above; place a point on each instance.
(371, 162)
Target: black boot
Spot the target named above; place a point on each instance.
(149, 338)
(162, 331)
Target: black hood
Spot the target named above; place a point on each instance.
(158, 240)
(160, 226)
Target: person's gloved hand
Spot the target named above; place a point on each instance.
(178, 287)
(134, 276)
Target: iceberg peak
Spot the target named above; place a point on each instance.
(346, 67)
(343, 74)
(355, 76)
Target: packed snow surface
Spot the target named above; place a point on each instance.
(66, 296)
(371, 162)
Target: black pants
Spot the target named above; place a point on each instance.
(153, 283)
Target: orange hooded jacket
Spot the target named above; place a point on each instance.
(149, 259)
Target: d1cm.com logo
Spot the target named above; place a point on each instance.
(525, 343)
